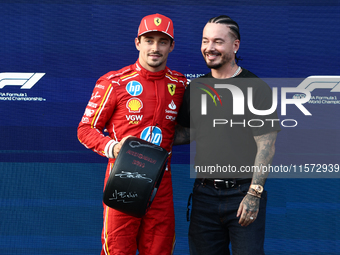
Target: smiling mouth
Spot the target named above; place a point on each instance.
(212, 55)
(153, 55)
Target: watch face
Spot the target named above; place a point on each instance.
(258, 188)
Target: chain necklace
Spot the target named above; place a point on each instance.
(237, 71)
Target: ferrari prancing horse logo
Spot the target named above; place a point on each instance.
(171, 88)
(157, 21)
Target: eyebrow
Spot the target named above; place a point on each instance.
(215, 39)
(162, 38)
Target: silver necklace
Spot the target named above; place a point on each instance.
(237, 71)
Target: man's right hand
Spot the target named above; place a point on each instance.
(118, 146)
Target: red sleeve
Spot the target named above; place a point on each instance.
(97, 113)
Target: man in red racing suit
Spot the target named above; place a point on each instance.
(141, 100)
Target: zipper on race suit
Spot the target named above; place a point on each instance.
(151, 132)
(155, 111)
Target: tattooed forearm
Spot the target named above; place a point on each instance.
(264, 157)
(182, 135)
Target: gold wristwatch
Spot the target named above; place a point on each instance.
(257, 188)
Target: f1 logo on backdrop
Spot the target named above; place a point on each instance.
(321, 82)
(25, 80)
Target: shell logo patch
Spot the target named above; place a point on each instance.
(157, 21)
(134, 105)
(171, 88)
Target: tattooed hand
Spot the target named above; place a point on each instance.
(248, 210)
(249, 207)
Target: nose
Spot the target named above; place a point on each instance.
(155, 47)
(209, 46)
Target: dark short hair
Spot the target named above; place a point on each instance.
(226, 20)
(234, 28)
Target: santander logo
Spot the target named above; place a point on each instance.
(172, 108)
(172, 105)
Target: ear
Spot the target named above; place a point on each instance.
(236, 45)
(137, 43)
(172, 46)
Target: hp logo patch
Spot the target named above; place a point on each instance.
(156, 135)
(134, 88)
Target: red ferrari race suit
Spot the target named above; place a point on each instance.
(137, 102)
